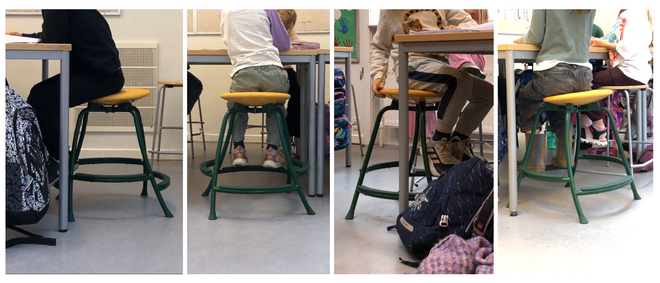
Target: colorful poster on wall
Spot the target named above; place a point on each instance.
(346, 29)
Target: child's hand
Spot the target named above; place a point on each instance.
(518, 41)
(14, 33)
(377, 86)
(597, 43)
(451, 27)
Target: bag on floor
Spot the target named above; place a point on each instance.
(342, 130)
(447, 206)
(482, 222)
(340, 93)
(27, 194)
(455, 255)
(646, 156)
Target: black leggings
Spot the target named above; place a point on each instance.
(293, 106)
(83, 87)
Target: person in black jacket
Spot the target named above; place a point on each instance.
(194, 90)
(95, 70)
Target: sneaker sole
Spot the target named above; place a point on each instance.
(239, 162)
(271, 164)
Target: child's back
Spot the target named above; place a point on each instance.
(253, 37)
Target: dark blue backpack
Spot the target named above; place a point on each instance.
(447, 206)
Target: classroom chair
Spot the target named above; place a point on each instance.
(201, 129)
(420, 98)
(570, 103)
(116, 103)
(158, 121)
(253, 102)
(641, 141)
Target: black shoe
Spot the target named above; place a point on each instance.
(53, 169)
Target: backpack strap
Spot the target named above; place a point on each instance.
(31, 238)
(414, 264)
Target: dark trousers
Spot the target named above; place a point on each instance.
(83, 87)
(608, 77)
(293, 107)
(194, 90)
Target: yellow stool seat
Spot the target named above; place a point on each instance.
(414, 95)
(171, 83)
(255, 98)
(622, 87)
(125, 95)
(578, 98)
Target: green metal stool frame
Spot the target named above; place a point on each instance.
(148, 175)
(570, 180)
(292, 173)
(420, 122)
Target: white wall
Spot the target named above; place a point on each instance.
(216, 81)
(164, 27)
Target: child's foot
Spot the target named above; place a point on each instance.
(472, 69)
(271, 159)
(598, 138)
(240, 157)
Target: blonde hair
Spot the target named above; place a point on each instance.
(288, 17)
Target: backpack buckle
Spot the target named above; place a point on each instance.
(444, 220)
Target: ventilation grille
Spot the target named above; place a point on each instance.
(140, 67)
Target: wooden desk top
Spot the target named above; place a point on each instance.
(447, 36)
(38, 46)
(324, 51)
(223, 52)
(342, 49)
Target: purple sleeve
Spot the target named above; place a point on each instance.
(281, 38)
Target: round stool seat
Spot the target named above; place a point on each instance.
(414, 95)
(125, 95)
(255, 98)
(622, 87)
(171, 83)
(578, 98)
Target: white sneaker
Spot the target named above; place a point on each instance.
(240, 157)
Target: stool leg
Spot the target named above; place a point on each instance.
(153, 142)
(623, 155)
(145, 160)
(284, 137)
(160, 127)
(629, 129)
(530, 142)
(422, 131)
(192, 142)
(365, 162)
(78, 135)
(201, 123)
(415, 141)
(219, 158)
(569, 169)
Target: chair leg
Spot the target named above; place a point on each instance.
(192, 141)
(145, 160)
(156, 119)
(78, 137)
(571, 175)
(422, 131)
(201, 123)
(284, 137)
(219, 158)
(365, 162)
(623, 155)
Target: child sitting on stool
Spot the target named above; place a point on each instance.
(254, 39)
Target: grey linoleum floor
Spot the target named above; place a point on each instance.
(363, 245)
(116, 230)
(255, 234)
(547, 238)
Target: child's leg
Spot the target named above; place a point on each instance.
(83, 87)
(457, 88)
(274, 79)
(473, 64)
(243, 81)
